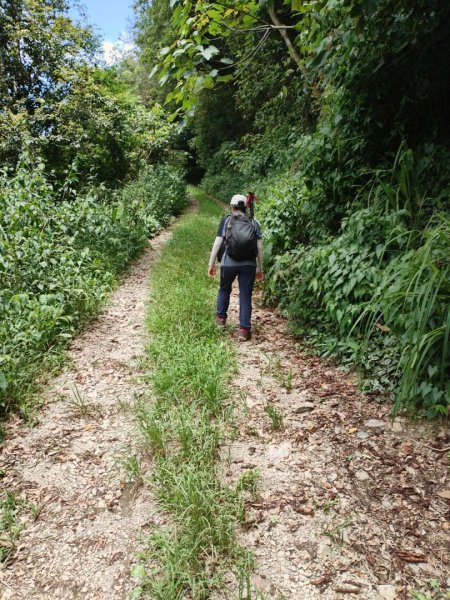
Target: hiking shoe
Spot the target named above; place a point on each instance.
(244, 334)
(220, 321)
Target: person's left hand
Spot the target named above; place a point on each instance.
(211, 271)
(259, 276)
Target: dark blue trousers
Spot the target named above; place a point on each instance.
(246, 278)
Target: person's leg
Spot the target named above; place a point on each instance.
(227, 276)
(246, 278)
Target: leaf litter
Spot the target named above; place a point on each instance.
(348, 503)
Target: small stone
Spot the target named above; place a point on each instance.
(304, 407)
(387, 592)
(362, 435)
(260, 582)
(375, 423)
(279, 452)
(303, 556)
(324, 548)
(397, 426)
(362, 475)
(236, 455)
(386, 504)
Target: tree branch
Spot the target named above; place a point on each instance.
(284, 34)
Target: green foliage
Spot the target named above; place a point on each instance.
(87, 123)
(377, 293)
(69, 131)
(152, 32)
(431, 590)
(41, 51)
(225, 184)
(275, 417)
(37, 39)
(345, 138)
(12, 520)
(413, 300)
(213, 124)
(156, 195)
(59, 259)
(201, 54)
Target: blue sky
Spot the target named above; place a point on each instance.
(110, 17)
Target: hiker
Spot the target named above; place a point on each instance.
(238, 246)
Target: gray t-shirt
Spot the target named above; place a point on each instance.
(226, 260)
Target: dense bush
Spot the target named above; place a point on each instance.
(376, 294)
(221, 180)
(158, 193)
(59, 259)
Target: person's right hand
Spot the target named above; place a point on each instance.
(259, 276)
(211, 271)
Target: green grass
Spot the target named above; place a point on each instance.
(13, 507)
(275, 416)
(183, 421)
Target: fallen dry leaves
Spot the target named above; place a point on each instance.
(359, 504)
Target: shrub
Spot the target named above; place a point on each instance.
(413, 301)
(58, 260)
(377, 294)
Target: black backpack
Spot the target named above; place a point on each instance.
(240, 237)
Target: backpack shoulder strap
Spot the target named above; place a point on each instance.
(225, 226)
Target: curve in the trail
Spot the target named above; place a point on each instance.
(70, 465)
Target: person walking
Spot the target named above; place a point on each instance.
(238, 246)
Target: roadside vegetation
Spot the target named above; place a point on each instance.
(15, 512)
(87, 174)
(336, 115)
(183, 421)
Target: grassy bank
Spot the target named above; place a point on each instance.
(183, 422)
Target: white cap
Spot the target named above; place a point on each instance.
(236, 199)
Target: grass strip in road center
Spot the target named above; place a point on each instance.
(184, 422)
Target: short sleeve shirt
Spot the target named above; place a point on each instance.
(227, 261)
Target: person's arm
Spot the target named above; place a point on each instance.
(212, 258)
(260, 261)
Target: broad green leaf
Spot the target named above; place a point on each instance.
(209, 52)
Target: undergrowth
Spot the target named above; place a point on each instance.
(376, 293)
(60, 258)
(183, 423)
